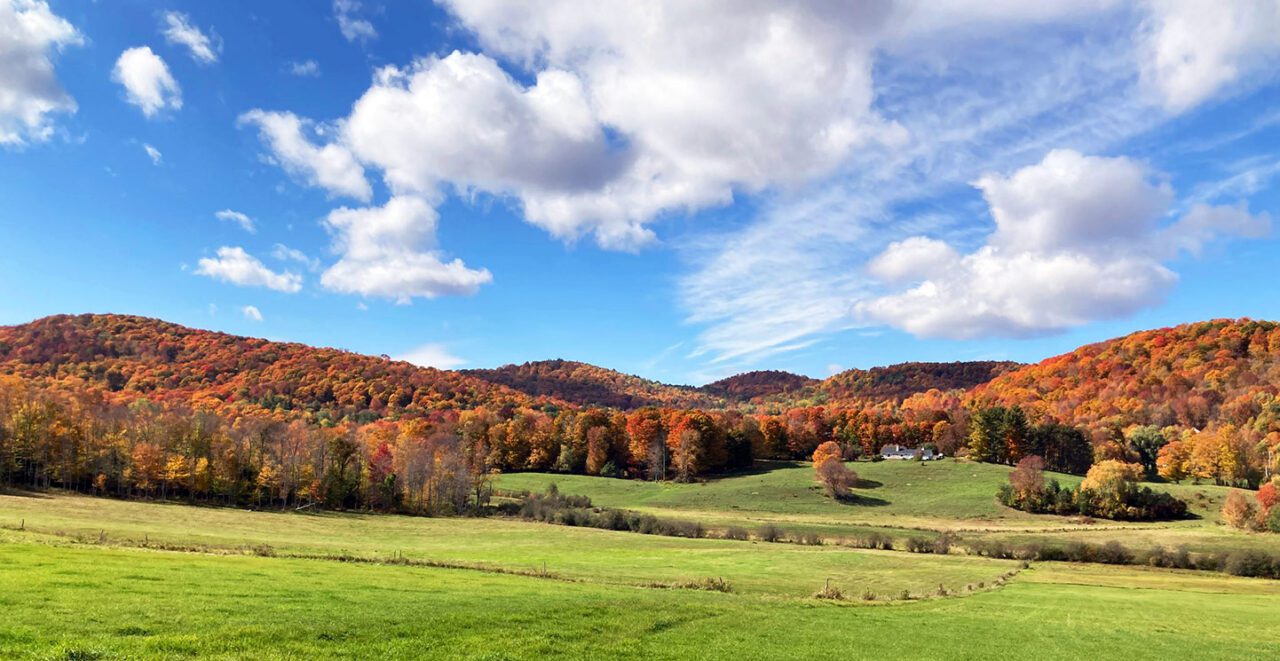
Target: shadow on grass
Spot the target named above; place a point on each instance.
(867, 484)
(863, 501)
(761, 467)
(22, 493)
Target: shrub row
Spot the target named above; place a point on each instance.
(940, 545)
(1127, 503)
(1237, 563)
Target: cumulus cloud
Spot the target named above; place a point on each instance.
(626, 117)
(177, 29)
(30, 33)
(353, 27)
(244, 221)
(1078, 239)
(251, 313)
(152, 153)
(308, 68)
(432, 355)
(390, 252)
(599, 121)
(462, 120)
(1194, 49)
(147, 81)
(777, 94)
(1071, 201)
(331, 167)
(238, 267)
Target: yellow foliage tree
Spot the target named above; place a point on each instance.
(1111, 475)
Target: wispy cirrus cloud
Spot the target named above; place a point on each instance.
(178, 29)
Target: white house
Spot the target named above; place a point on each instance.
(901, 452)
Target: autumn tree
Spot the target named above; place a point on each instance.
(646, 444)
(685, 444)
(836, 478)
(1028, 477)
(774, 437)
(1172, 461)
(1111, 476)
(829, 451)
(1238, 510)
(1267, 496)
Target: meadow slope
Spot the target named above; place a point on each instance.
(901, 499)
(77, 585)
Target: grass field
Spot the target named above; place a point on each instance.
(901, 498)
(81, 602)
(577, 553)
(87, 578)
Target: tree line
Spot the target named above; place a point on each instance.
(437, 463)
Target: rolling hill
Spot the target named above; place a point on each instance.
(1193, 375)
(589, 385)
(895, 383)
(762, 383)
(137, 357)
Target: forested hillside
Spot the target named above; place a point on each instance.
(138, 357)
(1199, 400)
(895, 383)
(589, 385)
(1193, 376)
(761, 383)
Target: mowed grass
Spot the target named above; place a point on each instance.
(87, 602)
(587, 554)
(900, 497)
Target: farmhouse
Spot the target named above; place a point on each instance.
(901, 452)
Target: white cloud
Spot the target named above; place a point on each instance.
(245, 222)
(308, 68)
(178, 29)
(251, 313)
(432, 355)
(1071, 201)
(625, 118)
(284, 253)
(1077, 240)
(602, 120)
(152, 153)
(1194, 49)
(331, 167)
(390, 252)
(147, 81)
(911, 259)
(238, 267)
(463, 120)
(29, 90)
(1203, 223)
(775, 95)
(352, 27)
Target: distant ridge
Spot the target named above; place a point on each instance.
(1193, 375)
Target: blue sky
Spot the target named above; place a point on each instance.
(807, 187)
